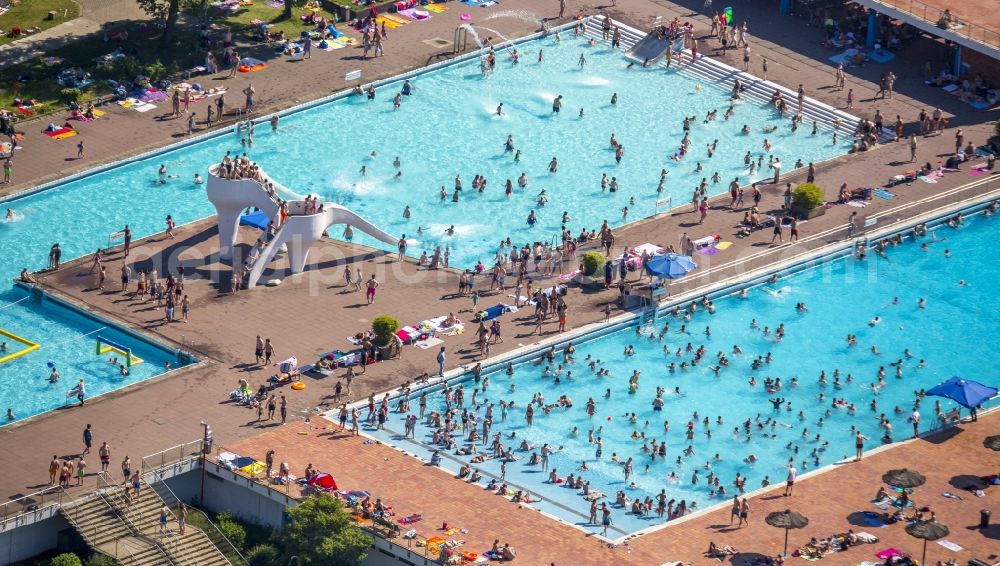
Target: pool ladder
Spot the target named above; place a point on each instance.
(648, 314)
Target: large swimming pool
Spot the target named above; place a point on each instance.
(953, 334)
(448, 127)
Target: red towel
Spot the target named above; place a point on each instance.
(58, 132)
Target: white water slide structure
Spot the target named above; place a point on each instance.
(298, 232)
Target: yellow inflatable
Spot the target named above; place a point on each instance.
(298, 386)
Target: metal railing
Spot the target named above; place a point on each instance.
(218, 538)
(89, 532)
(114, 497)
(31, 503)
(966, 29)
(172, 455)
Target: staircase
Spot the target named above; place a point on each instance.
(755, 90)
(128, 529)
(105, 531)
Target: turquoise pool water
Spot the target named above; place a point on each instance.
(953, 334)
(447, 128)
(68, 339)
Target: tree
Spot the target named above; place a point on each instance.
(165, 10)
(66, 559)
(287, 13)
(321, 531)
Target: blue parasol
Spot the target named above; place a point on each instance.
(965, 392)
(669, 266)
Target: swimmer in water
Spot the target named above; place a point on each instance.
(500, 109)
(197, 179)
(10, 214)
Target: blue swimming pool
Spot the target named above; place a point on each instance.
(67, 338)
(448, 127)
(953, 334)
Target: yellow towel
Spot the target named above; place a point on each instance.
(397, 18)
(388, 23)
(64, 135)
(98, 113)
(438, 8)
(723, 245)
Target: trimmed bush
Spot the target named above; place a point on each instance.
(385, 328)
(66, 559)
(68, 95)
(233, 530)
(808, 196)
(592, 263)
(261, 555)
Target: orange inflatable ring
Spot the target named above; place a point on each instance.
(470, 556)
(244, 68)
(298, 386)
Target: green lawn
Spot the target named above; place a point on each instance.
(33, 13)
(240, 21)
(41, 82)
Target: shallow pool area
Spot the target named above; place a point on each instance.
(737, 427)
(67, 341)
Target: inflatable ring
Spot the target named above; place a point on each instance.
(465, 17)
(298, 386)
(244, 68)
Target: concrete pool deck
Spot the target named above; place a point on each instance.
(828, 500)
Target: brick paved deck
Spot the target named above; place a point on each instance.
(827, 499)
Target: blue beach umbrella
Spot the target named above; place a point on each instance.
(669, 266)
(965, 392)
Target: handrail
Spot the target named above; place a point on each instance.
(73, 515)
(107, 488)
(163, 458)
(31, 503)
(228, 549)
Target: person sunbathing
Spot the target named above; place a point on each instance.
(715, 552)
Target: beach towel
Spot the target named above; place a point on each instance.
(857, 203)
(978, 169)
(381, 20)
(950, 545)
(401, 20)
(410, 520)
(428, 343)
(951, 495)
(888, 553)
(884, 194)
(61, 133)
(710, 250)
(723, 246)
(251, 65)
(437, 8)
(415, 14)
